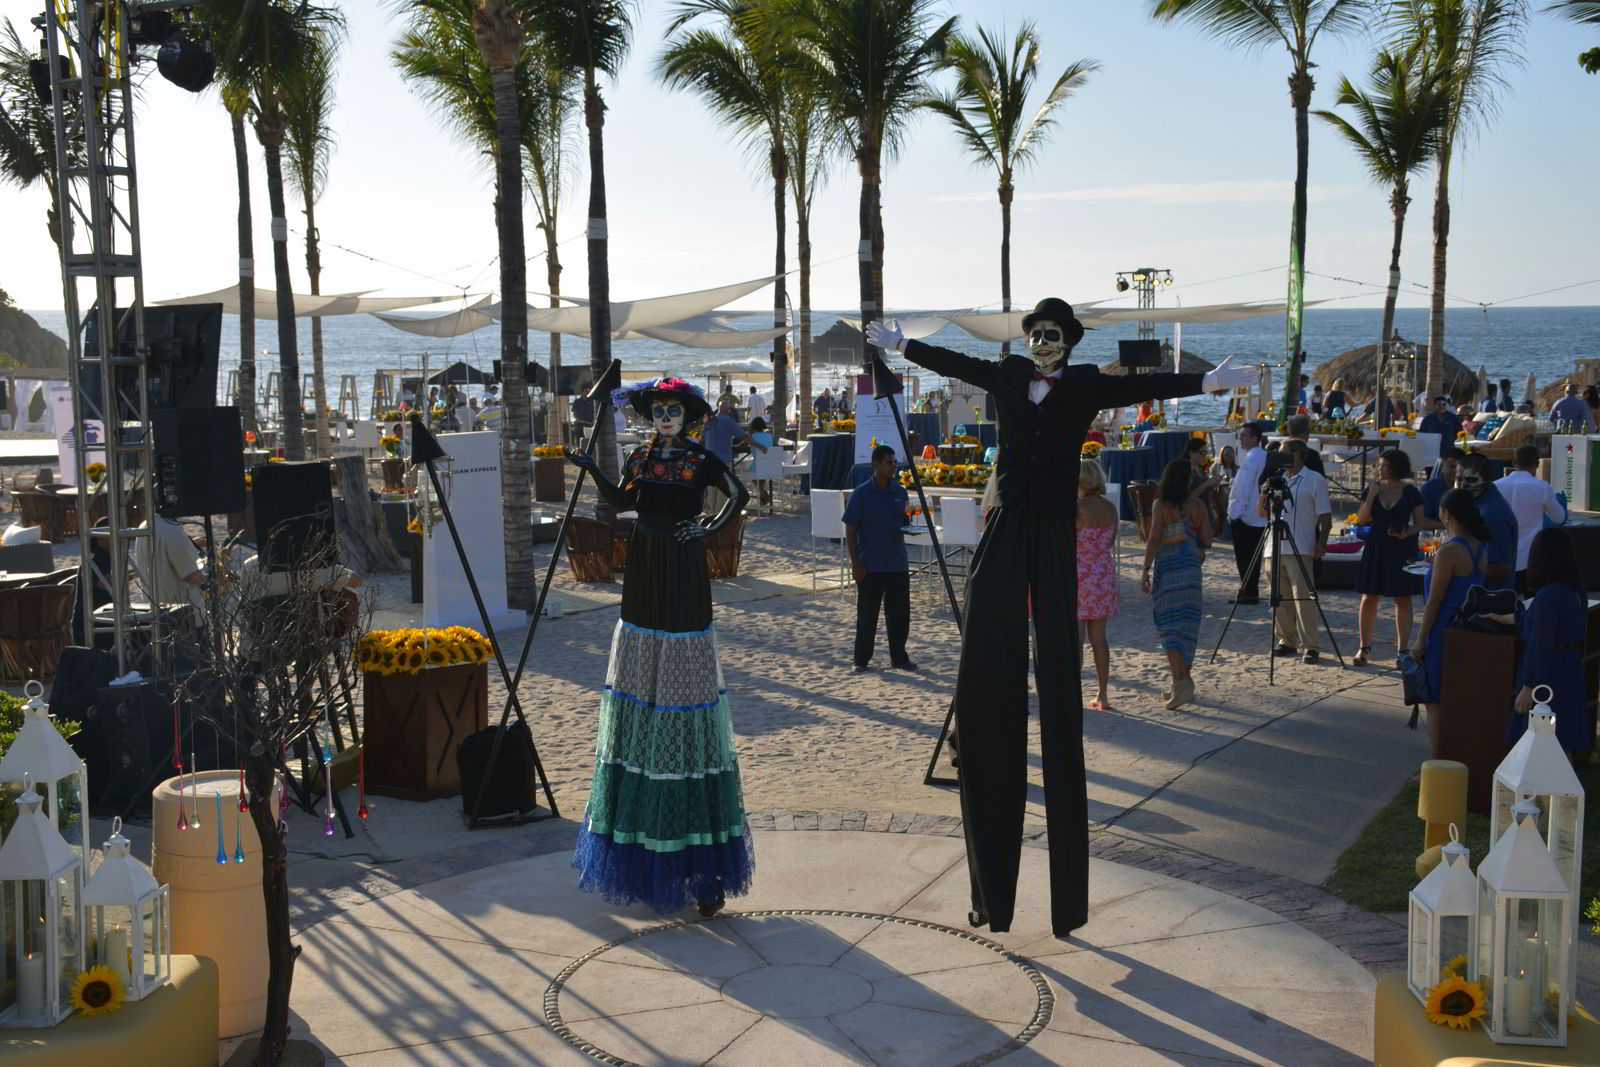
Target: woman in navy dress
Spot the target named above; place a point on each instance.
(1393, 509)
(1457, 567)
(1553, 628)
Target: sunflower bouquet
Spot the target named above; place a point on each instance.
(413, 650)
(548, 452)
(843, 426)
(391, 445)
(1091, 449)
(96, 472)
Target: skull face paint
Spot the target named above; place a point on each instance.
(667, 416)
(1047, 345)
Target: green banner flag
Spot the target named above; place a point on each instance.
(1293, 324)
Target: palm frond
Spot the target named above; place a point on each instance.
(740, 92)
(1244, 23)
(1399, 122)
(308, 114)
(1576, 10)
(586, 34)
(27, 128)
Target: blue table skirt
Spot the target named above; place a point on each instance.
(1168, 445)
(925, 424)
(1127, 465)
(832, 457)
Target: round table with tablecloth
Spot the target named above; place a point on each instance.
(1168, 445)
(833, 455)
(1125, 465)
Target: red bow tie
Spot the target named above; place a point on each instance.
(1040, 376)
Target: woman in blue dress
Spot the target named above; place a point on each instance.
(1553, 627)
(1457, 567)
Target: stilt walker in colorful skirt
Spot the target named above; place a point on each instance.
(665, 822)
(1028, 557)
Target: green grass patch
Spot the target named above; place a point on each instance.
(1378, 871)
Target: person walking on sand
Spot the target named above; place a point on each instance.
(873, 523)
(1179, 536)
(1098, 599)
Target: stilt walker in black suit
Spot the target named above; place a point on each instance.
(1027, 555)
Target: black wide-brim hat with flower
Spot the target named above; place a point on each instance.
(1056, 310)
(640, 395)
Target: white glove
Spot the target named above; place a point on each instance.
(885, 333)
(1226, 377)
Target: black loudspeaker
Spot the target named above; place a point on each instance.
(538, 377)
(510, 794)
(199, 461)
(1139, 353)
(293, 508)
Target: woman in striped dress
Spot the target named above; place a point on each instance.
(1179, 536)
(665, 821)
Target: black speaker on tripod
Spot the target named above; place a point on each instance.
(199, 461)
(293, 508)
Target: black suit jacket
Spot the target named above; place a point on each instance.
(1039, 443)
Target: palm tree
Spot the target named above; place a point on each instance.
(237, 103)
(811, 148)
(989, 109)
(27, 128)
(1395, 135)
(741, 72)
(870, 61)
(1581, 11)
(308, 144)
(1466, 44)
(1296, 24)
(545, 134)
(263, 45)
(591, 36)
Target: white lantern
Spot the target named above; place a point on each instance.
(127, 911)
(41, 890)
(1537, 768)
(1443, 920)
(42, 755)
(1524, 914)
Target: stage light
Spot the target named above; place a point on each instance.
(185, 64)
(1122, 285)
(149, 27)
(1139, 276)
(1169, 279)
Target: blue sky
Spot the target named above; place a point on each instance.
(1178, 154)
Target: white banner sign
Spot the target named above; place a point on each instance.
(470, 476)
(875, 424)
(58, 395)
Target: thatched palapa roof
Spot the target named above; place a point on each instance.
(1359, 369)
(1192, 364)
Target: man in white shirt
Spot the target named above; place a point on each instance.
(1308, 513)
(1532, 500)
(1245, 522)
(756, 406)
(168, 562)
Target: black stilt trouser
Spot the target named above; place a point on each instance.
(892, 591)
(1024, 559)
(1246, 540)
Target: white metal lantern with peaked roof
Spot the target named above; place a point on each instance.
(41, 892)
(41, 754)
(1524, 918)
(1537, 768)
(126, 910)
(1443, 920)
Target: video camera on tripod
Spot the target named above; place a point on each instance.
(1276, 489)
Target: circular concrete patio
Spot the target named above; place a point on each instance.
(850, 950)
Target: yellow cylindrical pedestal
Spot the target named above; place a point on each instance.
(1441, 800)
(217, 909)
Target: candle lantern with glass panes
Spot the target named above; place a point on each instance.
(41, 893)
(1524, 915)
(41, 754)
(1443, 919)
(1538, 769)
(126, 911)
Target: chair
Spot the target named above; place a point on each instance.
(589, 549)
(799, 466)
(29, 509)
(36, 558)
(723, 549)
(827, 523)
(35, 626)
(959, 529)
(1144, 501)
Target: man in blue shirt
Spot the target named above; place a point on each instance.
(721, 434)
(873, 520)
(1434, 489)
(1490, 402)
(1442, 421)
(1472, 474)
(1571, 411)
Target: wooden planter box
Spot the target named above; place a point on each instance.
(550, 479)
(394, 474)
(414, 722)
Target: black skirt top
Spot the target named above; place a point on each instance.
(1384, 558)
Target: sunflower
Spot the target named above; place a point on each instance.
(1454, 966)
(1454, 1002)
(97, 991)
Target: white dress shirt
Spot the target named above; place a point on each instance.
(1038, 390)
(1308, 502)
(1532, 500)
(1244, 494)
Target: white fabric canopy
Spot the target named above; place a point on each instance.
(712, 338)
(998, 326)
(640, 315)
(306, 304)
(474, 316)
(915, 327)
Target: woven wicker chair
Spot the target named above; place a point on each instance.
(1144, 501)
(1504, 447)
(590, 550)
(35, 625)
(723, 549)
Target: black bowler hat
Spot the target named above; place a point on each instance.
(1056, 310)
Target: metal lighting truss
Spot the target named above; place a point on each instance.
(97, 205)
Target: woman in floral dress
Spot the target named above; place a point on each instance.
(1098, 601)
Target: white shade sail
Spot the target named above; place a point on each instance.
(997, 326)
(307, 305)
(915, 327)
(474, 316)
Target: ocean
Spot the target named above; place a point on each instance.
(1507, 342)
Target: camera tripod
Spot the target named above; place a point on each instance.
(1278, 534)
